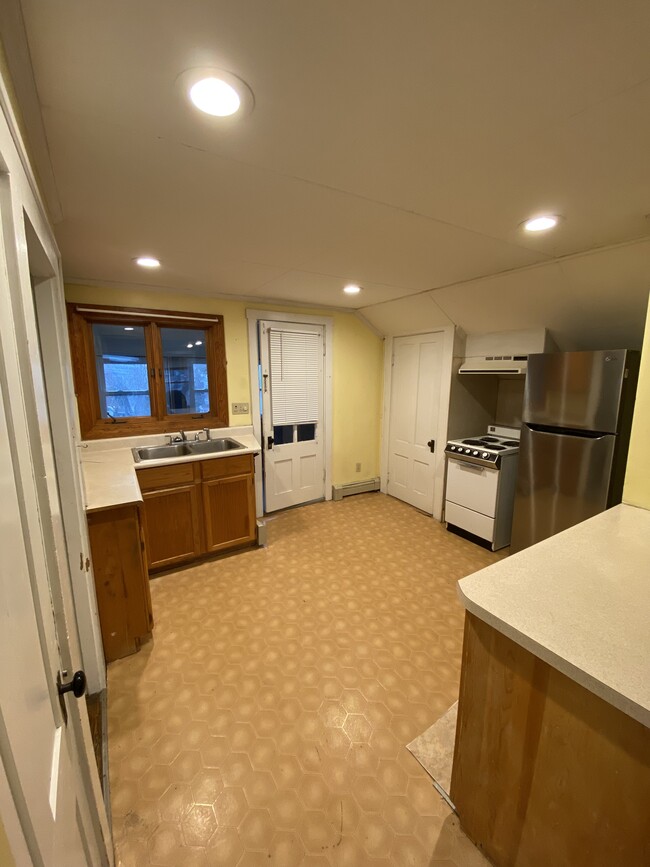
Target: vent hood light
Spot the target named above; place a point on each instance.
(541, 224)
(495, 365)
(147, 262)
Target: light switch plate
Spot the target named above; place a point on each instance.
(240, 408)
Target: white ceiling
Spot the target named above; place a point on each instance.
(395, 145)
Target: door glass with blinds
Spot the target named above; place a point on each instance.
(292, 413)
(295, 368)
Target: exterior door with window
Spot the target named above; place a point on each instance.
(413, 423)
(292, 413)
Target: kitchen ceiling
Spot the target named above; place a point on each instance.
(396, 145)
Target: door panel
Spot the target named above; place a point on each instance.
(576, 390)
(561, 480)
(173, 525)
(472, 486)
(294, 463)
(229, 509)
(413, 423)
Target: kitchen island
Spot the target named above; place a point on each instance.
(552, 754)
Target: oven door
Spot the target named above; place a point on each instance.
(473, 486)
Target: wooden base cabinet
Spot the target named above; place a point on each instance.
(197, 508)
(121, 579)
(229, 503)
(545, 772)
(172, 508)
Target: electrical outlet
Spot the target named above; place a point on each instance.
(240, 409)
(358, 468)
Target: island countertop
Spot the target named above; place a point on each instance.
(109, 468)
(581, 602)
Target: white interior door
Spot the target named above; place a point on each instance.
(291, 357)
(413, 422)
(32, 719)
(45, 743)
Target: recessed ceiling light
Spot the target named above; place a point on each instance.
(190, 345)
(198, 343)
(147, 262)
(352, 289)
(541, 224)
(215, 96)
(216, 92)
(128, 328)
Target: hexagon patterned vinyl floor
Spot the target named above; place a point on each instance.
(266, 722)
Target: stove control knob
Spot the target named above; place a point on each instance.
(475, 453)
(452, 448)
(486, 455)
(468, 451)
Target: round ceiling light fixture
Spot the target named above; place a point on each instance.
(216, 92)
(541, 224)
(147, 262)
(352, 289)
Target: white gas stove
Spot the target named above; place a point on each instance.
(480, 487)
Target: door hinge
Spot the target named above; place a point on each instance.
(87, 564)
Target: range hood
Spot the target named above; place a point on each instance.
(495, 365)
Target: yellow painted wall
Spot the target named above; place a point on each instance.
(357, 367)
(637, 476)
(6, 858)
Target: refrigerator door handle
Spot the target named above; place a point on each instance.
(566, 431)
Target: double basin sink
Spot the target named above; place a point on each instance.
(182, 450)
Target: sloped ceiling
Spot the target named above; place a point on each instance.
(399, 146)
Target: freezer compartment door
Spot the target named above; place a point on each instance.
(575, 390)
(562, 479)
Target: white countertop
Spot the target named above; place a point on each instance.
(581, 602)
(108, 466)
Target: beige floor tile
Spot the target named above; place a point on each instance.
(266, 722)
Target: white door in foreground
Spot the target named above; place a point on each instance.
(39, 745)
(413, 420)
(292, 413)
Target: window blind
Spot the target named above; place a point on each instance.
(295, 363)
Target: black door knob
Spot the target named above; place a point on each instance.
(432, 445)
(77, 685)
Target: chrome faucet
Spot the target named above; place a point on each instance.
(181, 437)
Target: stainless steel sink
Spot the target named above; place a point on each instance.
(156, 453)
(211, 447)
(180, 450)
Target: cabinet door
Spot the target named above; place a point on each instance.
(172, 525)
(229, 510)
(121, 580)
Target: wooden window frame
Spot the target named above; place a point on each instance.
(81, 318)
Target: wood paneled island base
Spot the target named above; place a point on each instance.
(545, 772)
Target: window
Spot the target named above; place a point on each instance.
(147, 371)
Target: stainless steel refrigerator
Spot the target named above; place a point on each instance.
(574, 440)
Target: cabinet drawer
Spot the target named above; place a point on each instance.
(472, 486)
(163, 477)
(221, 468)
(471, 521)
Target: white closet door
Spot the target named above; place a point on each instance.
(414, 409)
(292, 413)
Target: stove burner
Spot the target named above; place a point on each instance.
(473, 442)
(494, 448)
(490, 439)
(510, 443)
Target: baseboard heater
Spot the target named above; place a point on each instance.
(340, 491)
